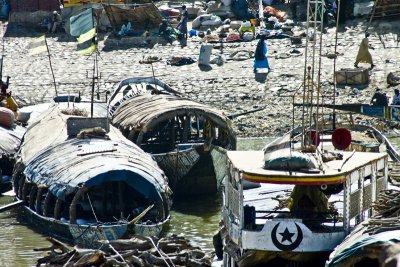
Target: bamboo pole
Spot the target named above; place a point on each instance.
(51, 67)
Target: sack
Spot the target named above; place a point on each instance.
(296, 161)
(7, 118)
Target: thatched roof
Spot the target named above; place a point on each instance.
(142, 113)
(64, 163)
(10, 140)
(143, 16)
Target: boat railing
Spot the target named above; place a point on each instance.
(309, 217)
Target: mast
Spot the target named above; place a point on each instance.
(334, 68)
(95, 67)
(312, 63)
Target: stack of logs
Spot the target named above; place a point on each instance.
(137, 251)
(387, 213)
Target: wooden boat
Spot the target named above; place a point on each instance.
(275, 212)
(82, 184)
(10, 141)
(187, 139)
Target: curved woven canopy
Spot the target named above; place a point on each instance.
(143, 112)
(64, 164)
(10, 140)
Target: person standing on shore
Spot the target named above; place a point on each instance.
(364, 56)
(396, 97)
(184, 17)
(260, 55)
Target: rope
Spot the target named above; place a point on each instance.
(162, 254)
(91, 206)
(66, 264)
(116, 252)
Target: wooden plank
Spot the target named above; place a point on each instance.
(11, 205)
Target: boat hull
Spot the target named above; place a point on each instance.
(194, 171)
(89, 235)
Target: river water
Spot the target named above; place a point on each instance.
(195, 218)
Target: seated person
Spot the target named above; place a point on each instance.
(54, 23)
(166, 31)
(309, 203)
(379, 99)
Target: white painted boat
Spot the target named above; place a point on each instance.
(258, 230)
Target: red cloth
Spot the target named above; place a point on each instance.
(280, 15)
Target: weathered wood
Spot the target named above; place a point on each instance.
(11, 205)
(32, 196)
(74, 202)
(135, 242)
(93, 259)
(57, 209)
(39, 195)
(47, 201)
(126, 256)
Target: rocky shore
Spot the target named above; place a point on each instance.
(231, 86)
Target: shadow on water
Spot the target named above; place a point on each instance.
(196, 218)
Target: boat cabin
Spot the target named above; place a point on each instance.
(83, 184)
(295, 215)
(188, 139)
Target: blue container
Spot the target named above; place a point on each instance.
(192, 33)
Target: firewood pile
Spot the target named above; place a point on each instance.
(387, 213)
(137, 251)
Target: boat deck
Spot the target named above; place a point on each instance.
(251, 164)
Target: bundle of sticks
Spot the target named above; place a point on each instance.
(137, 251)
(387, 213)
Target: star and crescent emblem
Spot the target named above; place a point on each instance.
(286, 242)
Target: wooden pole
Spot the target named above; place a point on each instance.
(51, 68)
(334, 69)
(93, 79)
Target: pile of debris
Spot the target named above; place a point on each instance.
(387, 213)
(137, 251)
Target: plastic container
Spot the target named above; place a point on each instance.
(205, 54)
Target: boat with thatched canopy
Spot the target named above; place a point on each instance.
(82, 181)
(188, 139)
(10, 142)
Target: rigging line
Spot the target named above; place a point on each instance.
(91, 206)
